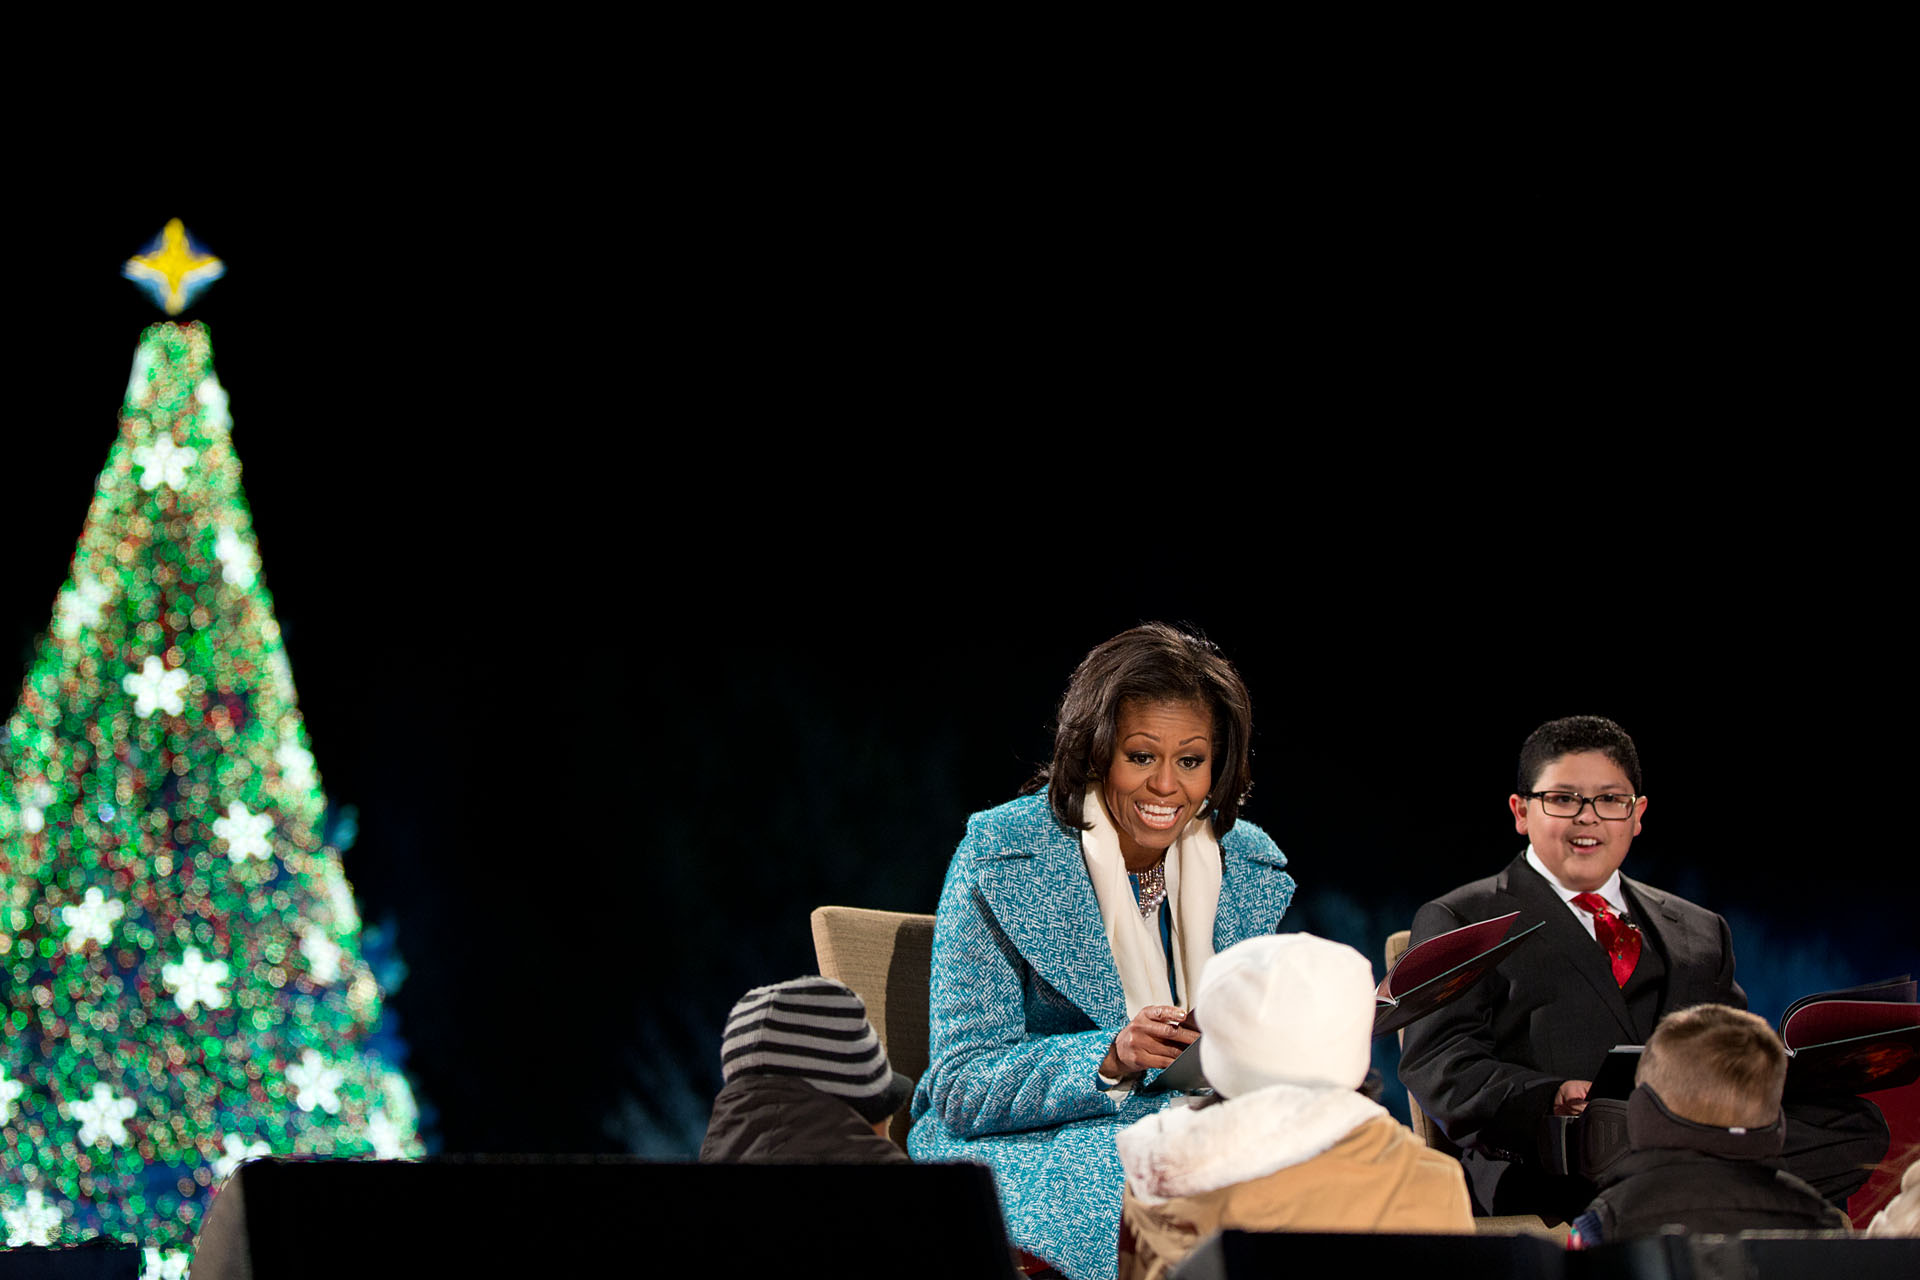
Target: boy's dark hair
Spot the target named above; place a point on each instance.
(1713, 1064)
(1153, 663)
(1572, 734)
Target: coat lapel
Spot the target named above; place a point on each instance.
(1661, 921)
(1563, 934)
(1038, 889)
(1040, 894)
(1253, 894)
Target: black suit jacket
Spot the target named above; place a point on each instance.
(1486, 1067)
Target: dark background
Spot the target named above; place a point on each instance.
(663, 556)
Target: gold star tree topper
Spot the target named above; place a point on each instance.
(174, 269)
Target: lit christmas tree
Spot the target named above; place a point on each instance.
(181, 956)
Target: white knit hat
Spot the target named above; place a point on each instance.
(1285, 1008)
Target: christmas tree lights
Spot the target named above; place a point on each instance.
(184, 985)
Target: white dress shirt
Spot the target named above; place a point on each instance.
(1610, 891)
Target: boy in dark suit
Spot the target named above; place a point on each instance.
(1496, 1067)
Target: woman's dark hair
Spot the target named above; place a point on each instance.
(1153, 663)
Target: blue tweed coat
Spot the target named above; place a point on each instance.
(1025, 1003)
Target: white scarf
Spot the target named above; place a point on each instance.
(1193, 895)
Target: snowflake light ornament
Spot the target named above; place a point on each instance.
(155, 688)
(400, 1101)
(315, 1083)
(103, 1116)
(142, 370)
(9, 1090)
(92, 920)
(239, 564)
(296, 765)
(346, 917)
(164, 463)
(33, 812)
(196, 980)
(33, 1222)
(322, 953)
(80, 607)
(170, 1265)
(384, 1134)
(246, 833)
(238, 1150)
(213, 397)
(282, 671)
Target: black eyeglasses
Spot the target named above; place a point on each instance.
(1567, 804)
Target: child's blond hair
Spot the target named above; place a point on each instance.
(1716, 1065)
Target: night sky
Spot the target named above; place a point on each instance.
(644, 591)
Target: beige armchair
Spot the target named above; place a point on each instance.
(1422, 1122)
(886, 956)
(1430, 1134)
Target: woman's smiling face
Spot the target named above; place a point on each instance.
(1159, 777)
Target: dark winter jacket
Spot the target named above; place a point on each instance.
(785, 1120)
(1701, 1178)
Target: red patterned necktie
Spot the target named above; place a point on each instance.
(1621, 939)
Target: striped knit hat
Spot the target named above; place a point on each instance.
(817, 1029)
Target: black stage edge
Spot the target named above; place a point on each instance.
(1242, 1255)
(560, 1215)
(91, 1260)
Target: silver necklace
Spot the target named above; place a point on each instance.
(1153, 887)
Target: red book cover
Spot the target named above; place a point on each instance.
(1441, 968)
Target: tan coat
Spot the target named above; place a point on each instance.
(1379, 1177)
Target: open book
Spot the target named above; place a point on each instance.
(1441, 968)
(1853, 1041)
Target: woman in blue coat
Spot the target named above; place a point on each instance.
(1071, 924)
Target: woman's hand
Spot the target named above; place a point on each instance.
(1152, 1040)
